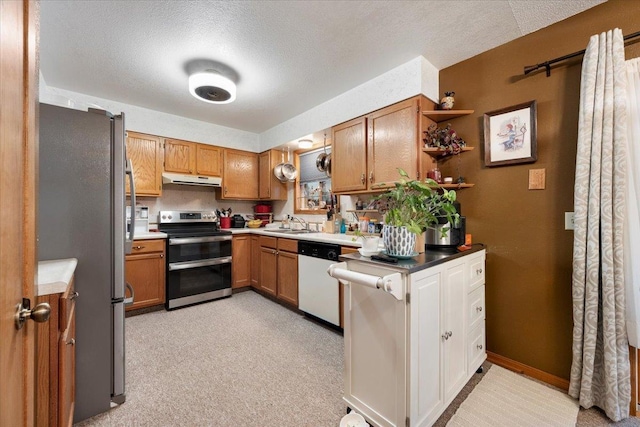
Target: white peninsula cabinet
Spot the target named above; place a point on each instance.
(408, 355)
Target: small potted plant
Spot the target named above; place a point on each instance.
(445, 139)
(410, 207)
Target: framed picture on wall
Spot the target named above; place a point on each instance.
(510, 135)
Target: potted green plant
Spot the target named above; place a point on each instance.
(445, 139)
(410, 207)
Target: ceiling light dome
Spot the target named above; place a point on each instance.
(305, 143)
(209, 86)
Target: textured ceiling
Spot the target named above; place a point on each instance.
(286, 57)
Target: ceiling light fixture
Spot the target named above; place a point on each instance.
(305, 143)
(209, 86)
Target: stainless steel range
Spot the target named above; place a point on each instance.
(198, 257)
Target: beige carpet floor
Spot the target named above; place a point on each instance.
(239, 362)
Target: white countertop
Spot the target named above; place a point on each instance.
(54, 276)
(150, 235)
(340, 239)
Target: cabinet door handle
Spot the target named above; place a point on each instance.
(478, 309)
(362, 178)
(479, 271)
(74, 295)
(479, 346)
(161, 255)
(225, 190)
(72, 341)
(371, 177)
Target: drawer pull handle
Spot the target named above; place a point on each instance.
(478, 309)
(74, 295)
(72, 341)
(479, 346)
(161, 255)
(138, 247)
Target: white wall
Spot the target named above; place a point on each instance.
(412, 78)
(154, 122)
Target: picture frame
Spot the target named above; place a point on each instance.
(510, 135)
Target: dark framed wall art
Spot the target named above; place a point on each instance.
(510, 135)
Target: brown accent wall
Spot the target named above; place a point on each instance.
(528, 291)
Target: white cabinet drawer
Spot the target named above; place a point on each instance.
(476, 271)
(475, 308)
(476, 350)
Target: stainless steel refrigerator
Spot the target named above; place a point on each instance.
(81, 214)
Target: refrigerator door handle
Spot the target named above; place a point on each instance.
(129, 301)
(128, 246)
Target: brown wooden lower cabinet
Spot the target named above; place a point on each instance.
(55, 361)
(255, 261)
(279, 268)
(241, 261)
(145, 272)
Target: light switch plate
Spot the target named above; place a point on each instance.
(569, 221)
(537, 178)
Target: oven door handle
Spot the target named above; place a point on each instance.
(194, 264)
(189, 240)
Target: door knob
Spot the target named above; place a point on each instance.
(40, 312)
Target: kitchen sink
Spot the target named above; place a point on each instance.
(288, 231)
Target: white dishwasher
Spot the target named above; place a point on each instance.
(318, 293)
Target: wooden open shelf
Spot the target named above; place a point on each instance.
(364, 210)
(444, 115)
(437, 153)
(455, 186)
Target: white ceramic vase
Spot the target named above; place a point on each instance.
(398, 241)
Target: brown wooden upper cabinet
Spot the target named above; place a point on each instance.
(145, 152)
(270, 187)
(208, 160)
(192, 158)
(240, 175)
(368, 150)
(179, 156)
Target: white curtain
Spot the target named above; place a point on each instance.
(632, 220)
(600, 371)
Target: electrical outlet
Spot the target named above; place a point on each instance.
(569, 221)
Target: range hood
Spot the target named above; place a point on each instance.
(177, 178)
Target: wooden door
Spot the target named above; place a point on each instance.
(146, 274)
(288, 277)
(268, 270)
(18, 169)
(241, 265)
(179, 156)
(392, 143)
(255, 261)
(145, 152)
(240, 176)
(270, 187)
(349, 156)
(208, 160)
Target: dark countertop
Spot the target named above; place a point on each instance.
(422, 261)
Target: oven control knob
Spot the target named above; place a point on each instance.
(164, 217)
(332, 255)
(169, 217)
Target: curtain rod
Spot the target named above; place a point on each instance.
(547, 64)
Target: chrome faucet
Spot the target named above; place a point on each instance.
(301, 221)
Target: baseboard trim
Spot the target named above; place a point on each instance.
(521, 368)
